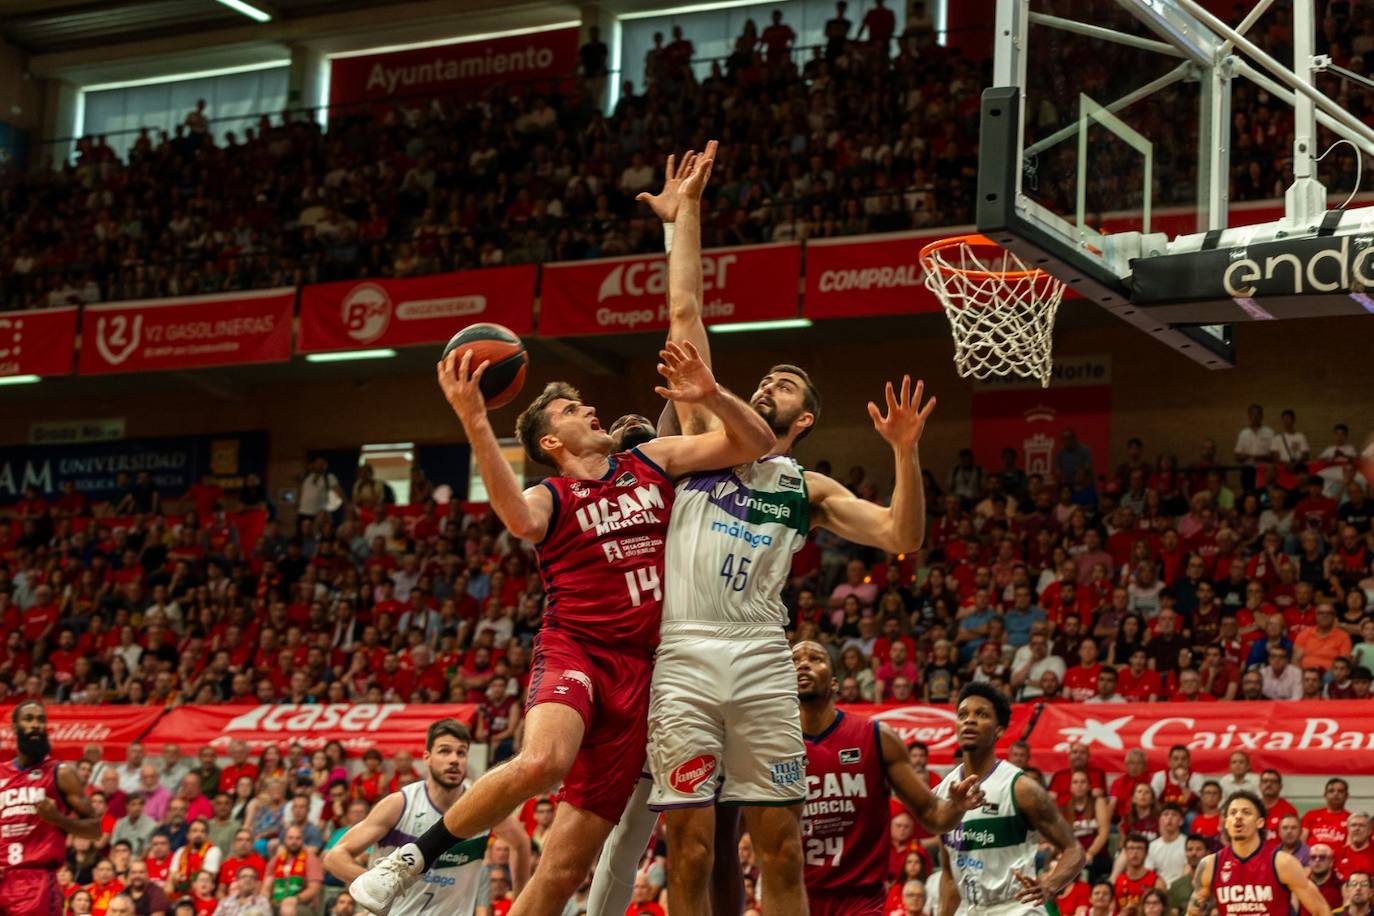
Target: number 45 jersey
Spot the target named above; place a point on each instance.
(730, 544)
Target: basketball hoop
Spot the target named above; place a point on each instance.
(1000, 310)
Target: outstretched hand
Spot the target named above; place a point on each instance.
(966, 795)
(462, 386)
(675, 175)
(689, 378)
(905, 419)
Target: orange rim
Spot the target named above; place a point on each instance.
(973, 241)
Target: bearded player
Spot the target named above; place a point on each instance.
(41, 804)
(453, 884)
(724, 725)
(988, 861)
(600, 529)
(852, 762)
(1246, 878)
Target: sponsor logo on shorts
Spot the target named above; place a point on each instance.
(578, 676)
(786, 772)
(686, 777)
(850, 755)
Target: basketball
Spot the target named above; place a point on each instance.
(506, 352)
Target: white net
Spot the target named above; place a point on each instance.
(1000, 310)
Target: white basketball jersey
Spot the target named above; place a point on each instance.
(730, 544)
(990, 843)
(451, 884)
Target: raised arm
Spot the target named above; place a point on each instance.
(1044, 817)
(1292, 874)
(526, 514)
(685, 286)
(912, 790)
(85, 824)
(900, 527)
(743, 436)
(341, 860)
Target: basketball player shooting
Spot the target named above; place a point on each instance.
(725, 727)
(988, 861)
(41, 804)
(600, 528)
(1245, 878)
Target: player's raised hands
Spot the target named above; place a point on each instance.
(665, 202)
(694, 182)
(461, 384)
(689, 378)
(966, 795)
(905, 419)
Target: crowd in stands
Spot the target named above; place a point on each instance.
(1141, 581)
(870, 135)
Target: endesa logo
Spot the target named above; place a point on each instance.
(1327, 271)
(934, 727)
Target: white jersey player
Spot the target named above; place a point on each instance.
(988, 861)
(724, 725)
(456, 884)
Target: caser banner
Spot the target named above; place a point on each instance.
(388, 727)
(869, 275)
(1332, 737)
(229, 329)
(620, 295)
(934, 726)
(38, 342)
(356, 314)
(430, 71)
(71, 728)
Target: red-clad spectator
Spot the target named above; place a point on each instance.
(1080, 681)
(1123, 787)
(241, 855)
(1271, 792)
(1190, 688)
(1329, 825)
(1137, 682)
(1357, 855)
(1079, 762)
(1207, 821)
(239, 765)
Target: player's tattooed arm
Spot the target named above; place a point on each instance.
(899, 527)
(949, 889)
(85, 824)
(1044, 817)
(1200, 902)
(1295, 878)
(911, 788)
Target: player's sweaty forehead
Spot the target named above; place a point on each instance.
(809, 650)
(787, 381)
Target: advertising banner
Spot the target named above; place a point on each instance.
(1326, 737)
(619, 295)
(71, 728)
(388, 727)
(1017, 413)
(416, 310)
(423, 72)
(229, 329)
(38, 342)
(934, 726)
(872, 275)
(176, 464)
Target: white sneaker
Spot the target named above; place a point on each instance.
(377, 889)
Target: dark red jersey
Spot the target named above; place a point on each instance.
(25, 838)
(845, 822)
(602, 558)
(1249, 886)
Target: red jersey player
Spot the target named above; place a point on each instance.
(600, 528)
(41, 802)
(851, 763)
(1247, 877)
